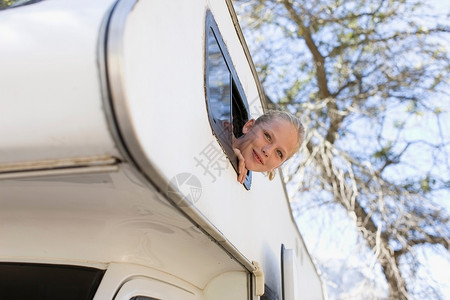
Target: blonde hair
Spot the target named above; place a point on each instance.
(275, 114)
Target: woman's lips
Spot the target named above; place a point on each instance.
(257, 158)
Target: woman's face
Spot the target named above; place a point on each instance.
(265, 146)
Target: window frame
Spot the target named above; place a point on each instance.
(238, 101)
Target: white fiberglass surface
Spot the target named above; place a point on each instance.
(103, 218)
(51, 95)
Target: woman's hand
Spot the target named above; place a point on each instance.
(242, 170)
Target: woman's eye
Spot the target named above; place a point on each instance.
(280, 154)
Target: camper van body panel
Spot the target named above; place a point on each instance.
(183, 136)
(51, 99)
(106, 152)
(95, 219)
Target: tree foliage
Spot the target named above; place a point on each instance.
(370, 80)
(5, 3)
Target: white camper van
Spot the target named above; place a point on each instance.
(116, 175)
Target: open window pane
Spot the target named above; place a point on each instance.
(227, 106)
(219, 93)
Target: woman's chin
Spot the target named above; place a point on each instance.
(256, 167)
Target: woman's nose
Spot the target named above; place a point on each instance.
(266, 150)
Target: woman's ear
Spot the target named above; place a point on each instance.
(248, 125)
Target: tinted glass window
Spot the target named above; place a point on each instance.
(48, 282)
(219, 92)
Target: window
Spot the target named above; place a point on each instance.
(47, 282)
(227, 105)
